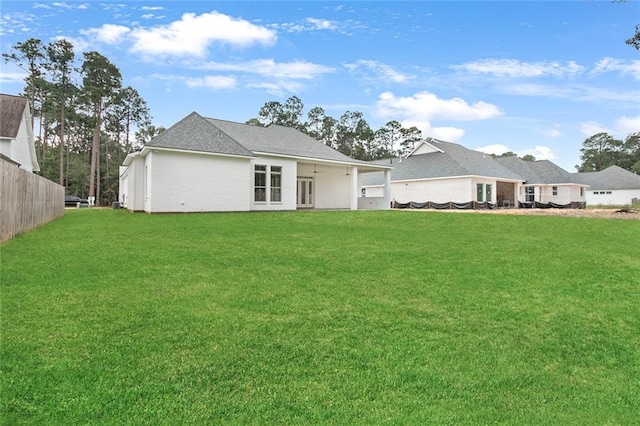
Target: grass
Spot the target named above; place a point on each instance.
(321, 318)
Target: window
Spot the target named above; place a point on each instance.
(260, 183)
(488, 191)
(480, 192)
(529, 194)
(608, 192)
(582, 191)
(554, 191)
(276, 184)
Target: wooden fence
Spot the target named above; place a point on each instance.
(26, 200)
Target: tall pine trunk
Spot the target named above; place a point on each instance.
(62, 146)
(95, 152)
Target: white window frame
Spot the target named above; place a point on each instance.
(259, 170)
(275, 191)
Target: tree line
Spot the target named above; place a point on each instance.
(82, 116)
(602, 150)
(350, 134)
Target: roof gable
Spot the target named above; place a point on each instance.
(11, 111)
(446, 160)
(195, 133)
(279, 140)
(424, 147)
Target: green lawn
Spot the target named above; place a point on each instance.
(321, 318)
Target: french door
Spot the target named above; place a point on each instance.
(304, 193)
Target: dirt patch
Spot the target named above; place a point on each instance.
(595, 213)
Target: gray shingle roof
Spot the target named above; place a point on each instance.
(536, 172)
(197, 133)
(613, 177)
(11, 111)
(279, 140)
(194, 133)
(456, 160)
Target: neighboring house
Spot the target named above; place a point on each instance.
(16, 132)
(442, 174)
(546, 184)
(611, 186)
(205, 164)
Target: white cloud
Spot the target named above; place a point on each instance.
(152, 8)
(539, 152)
(422, 108)
(575, 92)
(12, 77)
(425, 106)
(626, 125)
(552, 133)
(315, 24)
(322, 24)
(11, 23)
(79, 44)
(108, 33)
(620, 129)
(381, 71)
(212, 82)
(607, 64)
(450, 134)
(516, 69)
(496, 149)
(590, 128)
(65, 5)
(278, 88)
(192, 35)
(270, 68)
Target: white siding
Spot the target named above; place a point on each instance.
(332, 185)
(375, 191)
(289, 170)
(544, 194)
(457, 190)
(123, 185)
(189, 182)
(5, 147)
(21, 149)
(131, 182)
(616, 197)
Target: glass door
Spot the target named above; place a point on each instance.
(304, 193)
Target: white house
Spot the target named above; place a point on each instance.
(16, 132)
(441, 174)
(205, 165)
(611, 186)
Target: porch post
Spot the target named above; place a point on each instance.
(387, 189)
(355, 191)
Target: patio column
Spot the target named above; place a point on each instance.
(387, 189)
(355, 191)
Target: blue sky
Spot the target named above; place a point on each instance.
(530, 77)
